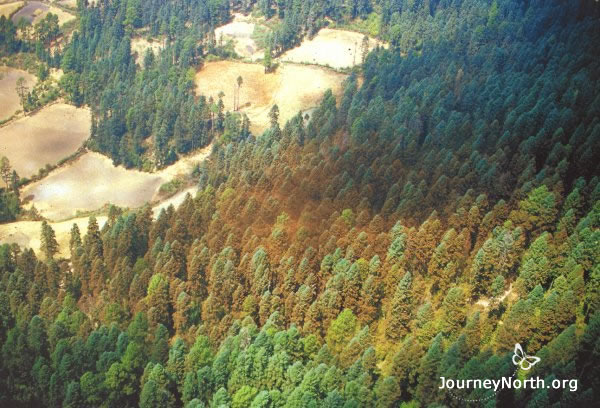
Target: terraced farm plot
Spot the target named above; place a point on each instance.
(31, 11)
(53, 133)
(8, 90)
(331, 47)
(292, 87)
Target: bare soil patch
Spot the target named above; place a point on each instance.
(27, 233)
(34, 11)
(292, 87)
(92, 181)
(8, 9)
(87, 184)
(8, 93)
(56, 74)
(31, 10)
(63, 16)
(45, 137)
(331, 47)
(124, 186)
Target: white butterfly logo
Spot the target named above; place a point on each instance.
(523, 360)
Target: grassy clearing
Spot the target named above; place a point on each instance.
(244, 34)
(292, 87)
(140, 45)
(330, 47)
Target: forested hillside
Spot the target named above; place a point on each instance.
(444, 209)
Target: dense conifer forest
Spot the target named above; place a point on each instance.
(445, 208)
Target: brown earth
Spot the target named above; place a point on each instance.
(27, 233)
(8, 92)
(292, 87)
(92, 181)
(34, 11)
(45, 137)
(331, 47)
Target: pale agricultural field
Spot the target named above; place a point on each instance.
(27, 233)
(92, 181)
(7, 9)
(87, 184)
(185, 165)
(8, 91)
(46, 137)
(291, 87)
(31, 11)
(331, 47)
(63, 16)
(34, 11)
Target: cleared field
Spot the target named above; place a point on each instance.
(240, 31)
(89, 183)
(27, 233)
(8, 9)
(292, 87)
(34, 11)
(48, 136)
(331, 47)
(140, 45)
(8, 93)
(92, 181)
